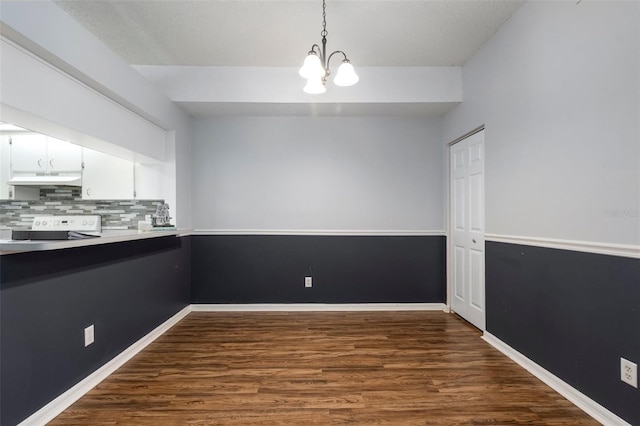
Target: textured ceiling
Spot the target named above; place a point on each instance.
(279, 33)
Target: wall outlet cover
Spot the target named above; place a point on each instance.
(629, 372)
(89, 335)
(308, 282)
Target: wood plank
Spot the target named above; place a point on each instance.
(312, 368)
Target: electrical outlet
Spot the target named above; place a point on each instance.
(89, 335)
(629, 372)
(307, 282)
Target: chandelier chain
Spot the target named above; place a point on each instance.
(324, 19)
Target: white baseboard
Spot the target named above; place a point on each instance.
(64, 401)
(586, 404)
(330, 232)
(322, 307)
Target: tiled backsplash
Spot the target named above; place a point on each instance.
(116, 214)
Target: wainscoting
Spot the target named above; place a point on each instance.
(344, 269)
(573, 313)
(48, 298)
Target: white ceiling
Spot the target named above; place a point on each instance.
(279, 33)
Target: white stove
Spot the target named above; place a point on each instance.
(77, 223)
(67, 227)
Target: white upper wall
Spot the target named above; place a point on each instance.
(558, 89)
(327, 173)
(284, 85)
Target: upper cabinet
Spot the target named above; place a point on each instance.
(106, 177)
(32, 152)
(6, 191)
(148, 181)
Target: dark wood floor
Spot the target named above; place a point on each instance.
(400, 368)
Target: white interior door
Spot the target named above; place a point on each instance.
(467, 228)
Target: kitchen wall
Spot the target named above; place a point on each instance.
(557, 89)
(115, 214)
(86, 90)
(317, 173)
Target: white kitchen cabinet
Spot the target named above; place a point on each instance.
(106, 177)
(149, 181)
(6, 191)
(63, 156)
(33, 152)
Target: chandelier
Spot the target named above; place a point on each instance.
(316, 65)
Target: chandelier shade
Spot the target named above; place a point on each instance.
(346, 75)
(316, 65)
(315, 86)
(312, 67)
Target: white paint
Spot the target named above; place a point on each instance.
(276, 85)
(106, 177)
(89, 335)
(280, 32)
(381, 232)
(30, 84)
(317, 307)
(306, 173)
(624, 250)
(6, 191)
(467, 228)
(64, 401)
(558, 90)
(629, 372)
(583, 402)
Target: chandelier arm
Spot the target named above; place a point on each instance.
(319, 52)
(330, 56)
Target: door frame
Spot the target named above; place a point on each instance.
(449, 246)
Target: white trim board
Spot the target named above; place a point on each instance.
(333, 232)
(583, 402)
(624, 250)
(64, 401)
(317, 307)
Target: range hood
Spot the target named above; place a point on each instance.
(46, 180)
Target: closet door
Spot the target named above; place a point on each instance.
(467, 228)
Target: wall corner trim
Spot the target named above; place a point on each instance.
(316, 307)
(624, 250)
(586, 404)
(66, 399)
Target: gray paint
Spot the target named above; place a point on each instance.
(306, 173)
(47, 299)
(558, 90)
(580, 341)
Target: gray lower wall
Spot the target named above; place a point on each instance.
(47, 299)
(344, 269)
(573, 313)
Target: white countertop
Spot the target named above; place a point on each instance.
(8, 246)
